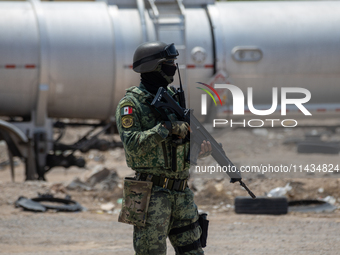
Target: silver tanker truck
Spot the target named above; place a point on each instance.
(73, 60)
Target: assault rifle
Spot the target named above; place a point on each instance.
(198, 135)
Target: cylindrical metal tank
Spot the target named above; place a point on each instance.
(19, 58)
(84, 56)
(81, 60)
(83, 51)
(280, 44)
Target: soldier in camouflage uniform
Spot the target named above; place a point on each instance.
(153, 151)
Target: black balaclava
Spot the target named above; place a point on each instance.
(161, 77)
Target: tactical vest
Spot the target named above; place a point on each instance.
(169, 155)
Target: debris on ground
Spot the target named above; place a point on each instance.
(316, 206)
(279, 191)
(44, 202)
(329, 199)
(77, 184)
(103, 179)
(108, 207)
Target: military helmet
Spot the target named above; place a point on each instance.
(150, 54)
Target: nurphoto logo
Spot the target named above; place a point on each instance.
(239, 104)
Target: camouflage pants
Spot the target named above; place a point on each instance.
(167, 210)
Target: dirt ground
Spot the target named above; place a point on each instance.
(96, 231)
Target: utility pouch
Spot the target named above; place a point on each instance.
(180, 152)
(136, 198)
(204, 223)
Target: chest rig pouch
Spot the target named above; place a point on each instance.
(179, 147)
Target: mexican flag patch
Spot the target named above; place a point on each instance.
(126, 110)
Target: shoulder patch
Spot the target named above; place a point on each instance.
(126, 103)
(125, 106)
(127, 121)
(126, 110)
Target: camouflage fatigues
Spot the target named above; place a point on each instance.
(167, 210)
(148, 149)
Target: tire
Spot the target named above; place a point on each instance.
(29, 205)
(261, 205)
(60, 205)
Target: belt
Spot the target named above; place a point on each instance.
(164, 182)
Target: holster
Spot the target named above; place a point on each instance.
(136, 198)
(202, 242)
(204, 223)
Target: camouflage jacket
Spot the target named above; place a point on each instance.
(147, 144)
